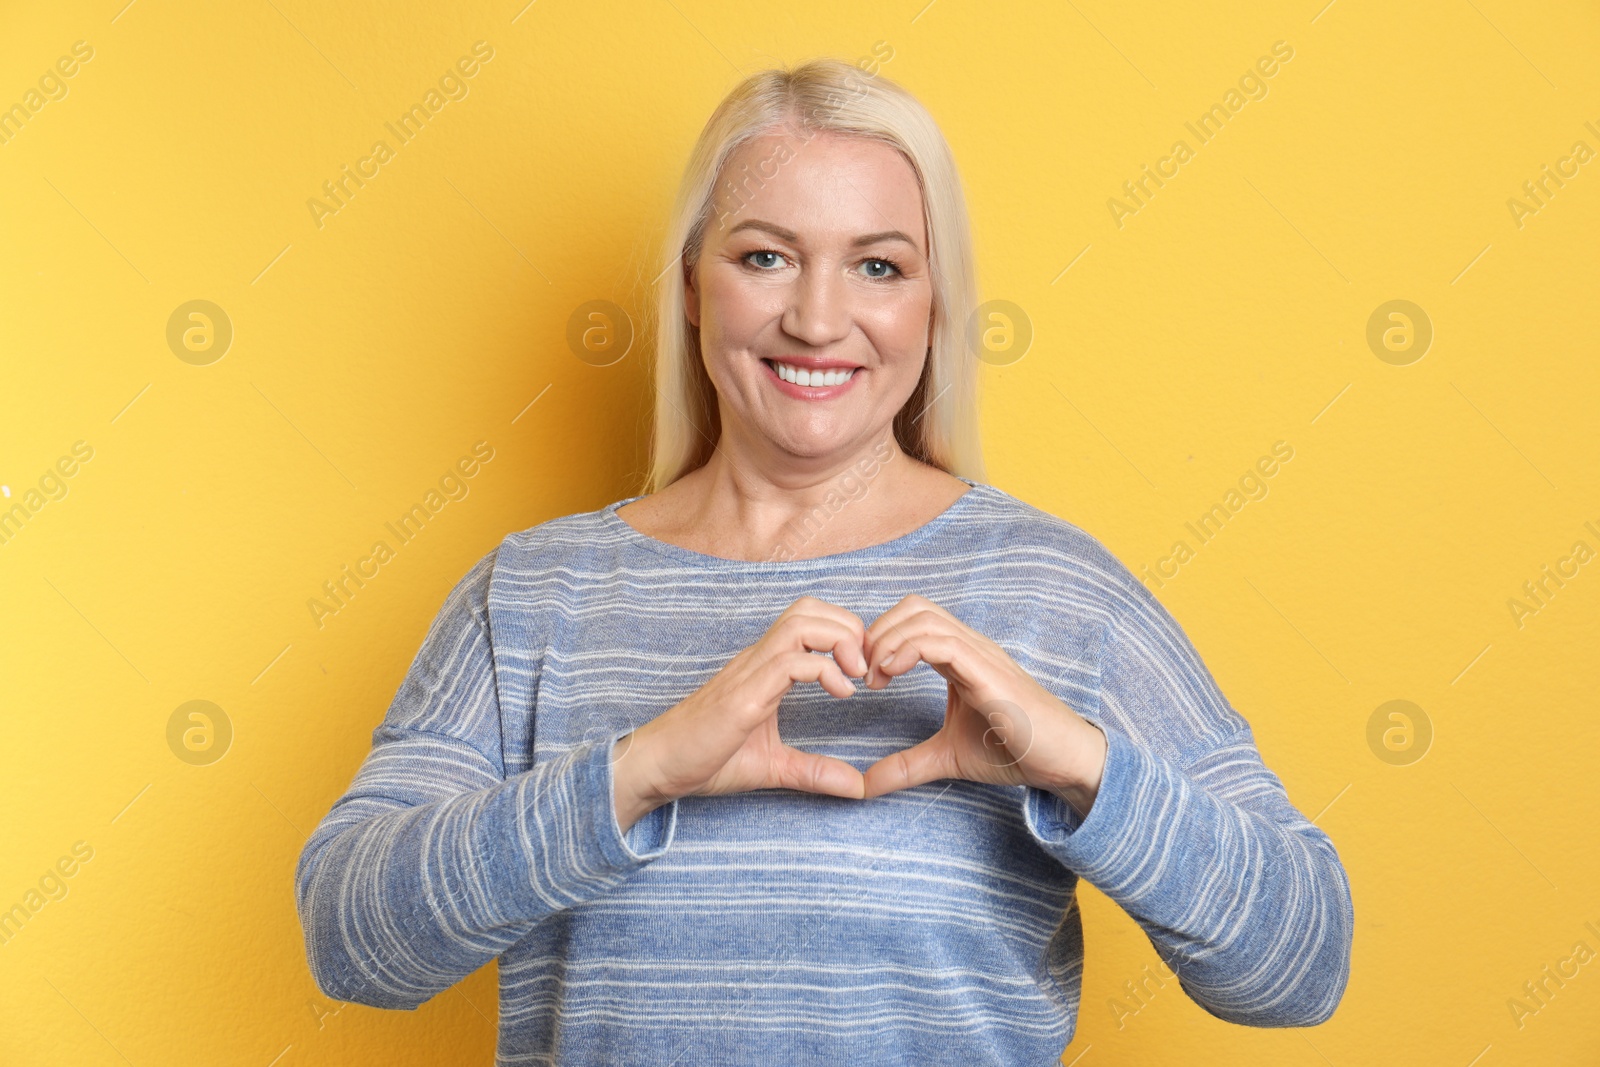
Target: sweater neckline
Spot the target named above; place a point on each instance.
(894, 546)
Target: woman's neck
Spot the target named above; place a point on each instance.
(750, 508)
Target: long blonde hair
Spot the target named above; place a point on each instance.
(939, 422)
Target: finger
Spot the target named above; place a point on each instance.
(909, 605)
(948, 654)
(891, 639)
(898, 644)
(822, 634)
(852, 623)
(755, 694)
(792, 667)
(897, 616)
(893, 656)
(810, 605)
(816, 773)
(925, 761)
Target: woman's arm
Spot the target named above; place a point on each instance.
(434, 862)
(1196, 838)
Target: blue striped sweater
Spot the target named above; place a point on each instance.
(937, 924)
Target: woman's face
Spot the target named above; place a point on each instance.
(814, 264)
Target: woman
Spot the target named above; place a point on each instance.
(608, 765)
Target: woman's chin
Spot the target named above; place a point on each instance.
(812, 444)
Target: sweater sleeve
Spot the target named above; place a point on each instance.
(433, 861)
(1196, 839)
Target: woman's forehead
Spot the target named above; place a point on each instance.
(825, 189)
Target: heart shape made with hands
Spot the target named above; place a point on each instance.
(1001, 727)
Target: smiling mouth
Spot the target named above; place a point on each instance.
(811, 378)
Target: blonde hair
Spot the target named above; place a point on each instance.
(939, 422)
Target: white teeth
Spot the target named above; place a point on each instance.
(814, 378)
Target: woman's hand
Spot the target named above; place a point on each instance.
(723, 737)
(1000, 726)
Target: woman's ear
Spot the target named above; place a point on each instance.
(691, 297)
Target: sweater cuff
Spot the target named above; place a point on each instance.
(570, 843)
(647, 838)
(1097, 846)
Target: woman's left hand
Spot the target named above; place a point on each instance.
(1000, 726)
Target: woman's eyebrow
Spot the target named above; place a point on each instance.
(794, 238)
(882, 235)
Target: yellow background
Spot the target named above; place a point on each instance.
(369, 354)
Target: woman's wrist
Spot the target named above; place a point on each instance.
(633, 791)
(1077, 780)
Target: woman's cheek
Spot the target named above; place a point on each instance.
(741, 308)
(901, 331)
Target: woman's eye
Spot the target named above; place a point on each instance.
(874, 265)
(761, 257)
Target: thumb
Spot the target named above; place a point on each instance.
(925, 761)
(813, 773)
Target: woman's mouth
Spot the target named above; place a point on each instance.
(810, 384)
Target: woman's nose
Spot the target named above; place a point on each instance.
(818, 310)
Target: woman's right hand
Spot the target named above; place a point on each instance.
(723, 737)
